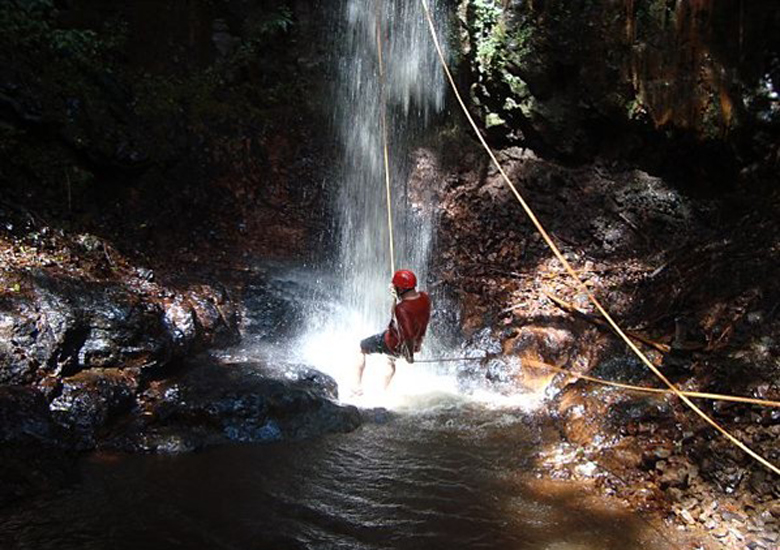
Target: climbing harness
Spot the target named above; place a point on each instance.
(581, 286)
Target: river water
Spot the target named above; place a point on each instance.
(452, 475)
(445, 459)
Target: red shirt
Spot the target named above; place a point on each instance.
(412, 317)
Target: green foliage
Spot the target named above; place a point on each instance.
(489, 32)
(279, 21)
(23, 26)
(495, 44)
(81, 44)
(194, 95)
(34, 6)
(65, 76)
(31, 24)
(79, 81)
(260, 32)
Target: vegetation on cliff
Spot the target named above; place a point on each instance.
(669, 84)
(120, 120)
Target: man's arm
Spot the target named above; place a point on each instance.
(403, 324)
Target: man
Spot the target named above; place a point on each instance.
(404, 335)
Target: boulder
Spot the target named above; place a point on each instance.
(62, 326)
(59, 327)
(90, 400)
(24, 416)
(212, 404)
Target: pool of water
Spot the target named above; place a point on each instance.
(457, 475)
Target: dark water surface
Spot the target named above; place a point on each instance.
(450, 478)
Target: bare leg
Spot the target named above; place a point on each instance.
(360, 366)
(390, 371)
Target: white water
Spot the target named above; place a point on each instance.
(413, 92)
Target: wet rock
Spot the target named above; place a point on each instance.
(677, 472)
(626, 453)
(24, 416)
(638, 411)
(181, 321)
(627, 369)
(89, 400)
(59, 327)
(212, 404)
(315, 381)
(273, 310)
(540, 343)
(63, 326)
(19, 356)
(216, 314)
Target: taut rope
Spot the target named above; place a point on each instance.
(383, 109)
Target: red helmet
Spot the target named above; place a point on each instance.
(404, 279)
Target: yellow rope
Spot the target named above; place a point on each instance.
(695, 394)
(526, 362)
(571, 271)
(383, 107)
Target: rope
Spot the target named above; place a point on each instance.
(699, 395)
(383, 108)
(695, 394)
(663, 348)
(580, 285)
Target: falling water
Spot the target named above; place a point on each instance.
(411, 90)
(349, 303)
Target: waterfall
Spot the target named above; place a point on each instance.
(412, 92)
(413, 89)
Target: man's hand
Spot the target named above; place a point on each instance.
(393, 292)
(407, 353)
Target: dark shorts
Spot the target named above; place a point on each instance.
(376, 344)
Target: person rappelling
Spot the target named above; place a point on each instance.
(410, 314)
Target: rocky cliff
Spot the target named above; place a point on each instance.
(684, 87)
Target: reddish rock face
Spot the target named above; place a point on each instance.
(545, 344)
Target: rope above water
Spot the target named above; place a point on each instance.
(526, 362)
(383, 117)
(581, 286)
